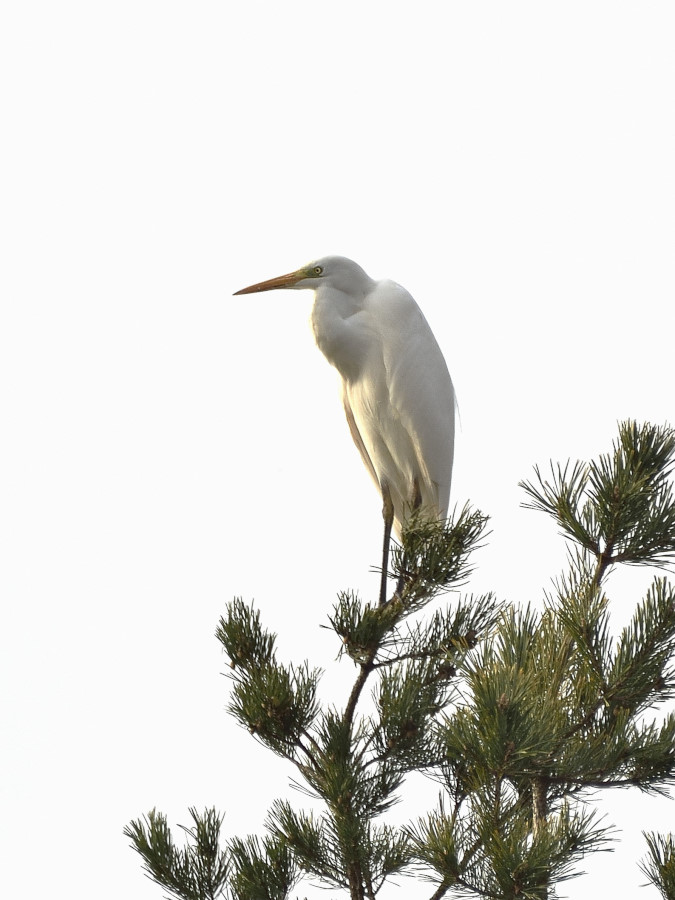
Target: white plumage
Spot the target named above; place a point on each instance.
(396, 389)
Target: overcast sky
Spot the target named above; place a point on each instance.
(167, 447)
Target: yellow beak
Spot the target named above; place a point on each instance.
(281, 281)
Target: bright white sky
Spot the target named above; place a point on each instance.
(167, 446)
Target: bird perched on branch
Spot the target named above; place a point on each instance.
(396, 390)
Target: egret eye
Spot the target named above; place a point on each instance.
(318, 270)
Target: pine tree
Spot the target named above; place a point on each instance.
(517, 713)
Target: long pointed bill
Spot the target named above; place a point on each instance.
(281, 281)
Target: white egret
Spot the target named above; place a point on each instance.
(396, 390)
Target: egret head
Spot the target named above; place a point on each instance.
(337, 271)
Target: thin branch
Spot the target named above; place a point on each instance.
(605, 560)
(308, 753)
(366, 668)
(441, 891)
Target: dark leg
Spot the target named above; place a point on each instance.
(416, 496)
(388, 516)
(416, 503)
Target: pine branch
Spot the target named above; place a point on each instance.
(619, 507)
(243, 638)
(262, 869)
(277, 704)
(516, 713)
(197, 872)
(660, 865)
(641, 673)
(495, 856)
(434, 557)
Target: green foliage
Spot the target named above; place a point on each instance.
(642, 662)
(518, 714)
(469, 856)
(261, 869)
(196, 872)
(244, 639)
(619, 507)
(660, 865)
(408, 698)
(367, 630)
(276, 703)
(320, 846)
(432, 559)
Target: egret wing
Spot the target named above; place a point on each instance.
(419, 386)
(357, 438)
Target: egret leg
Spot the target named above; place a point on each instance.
(388, 516)
(416, 502)
(416, 495)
